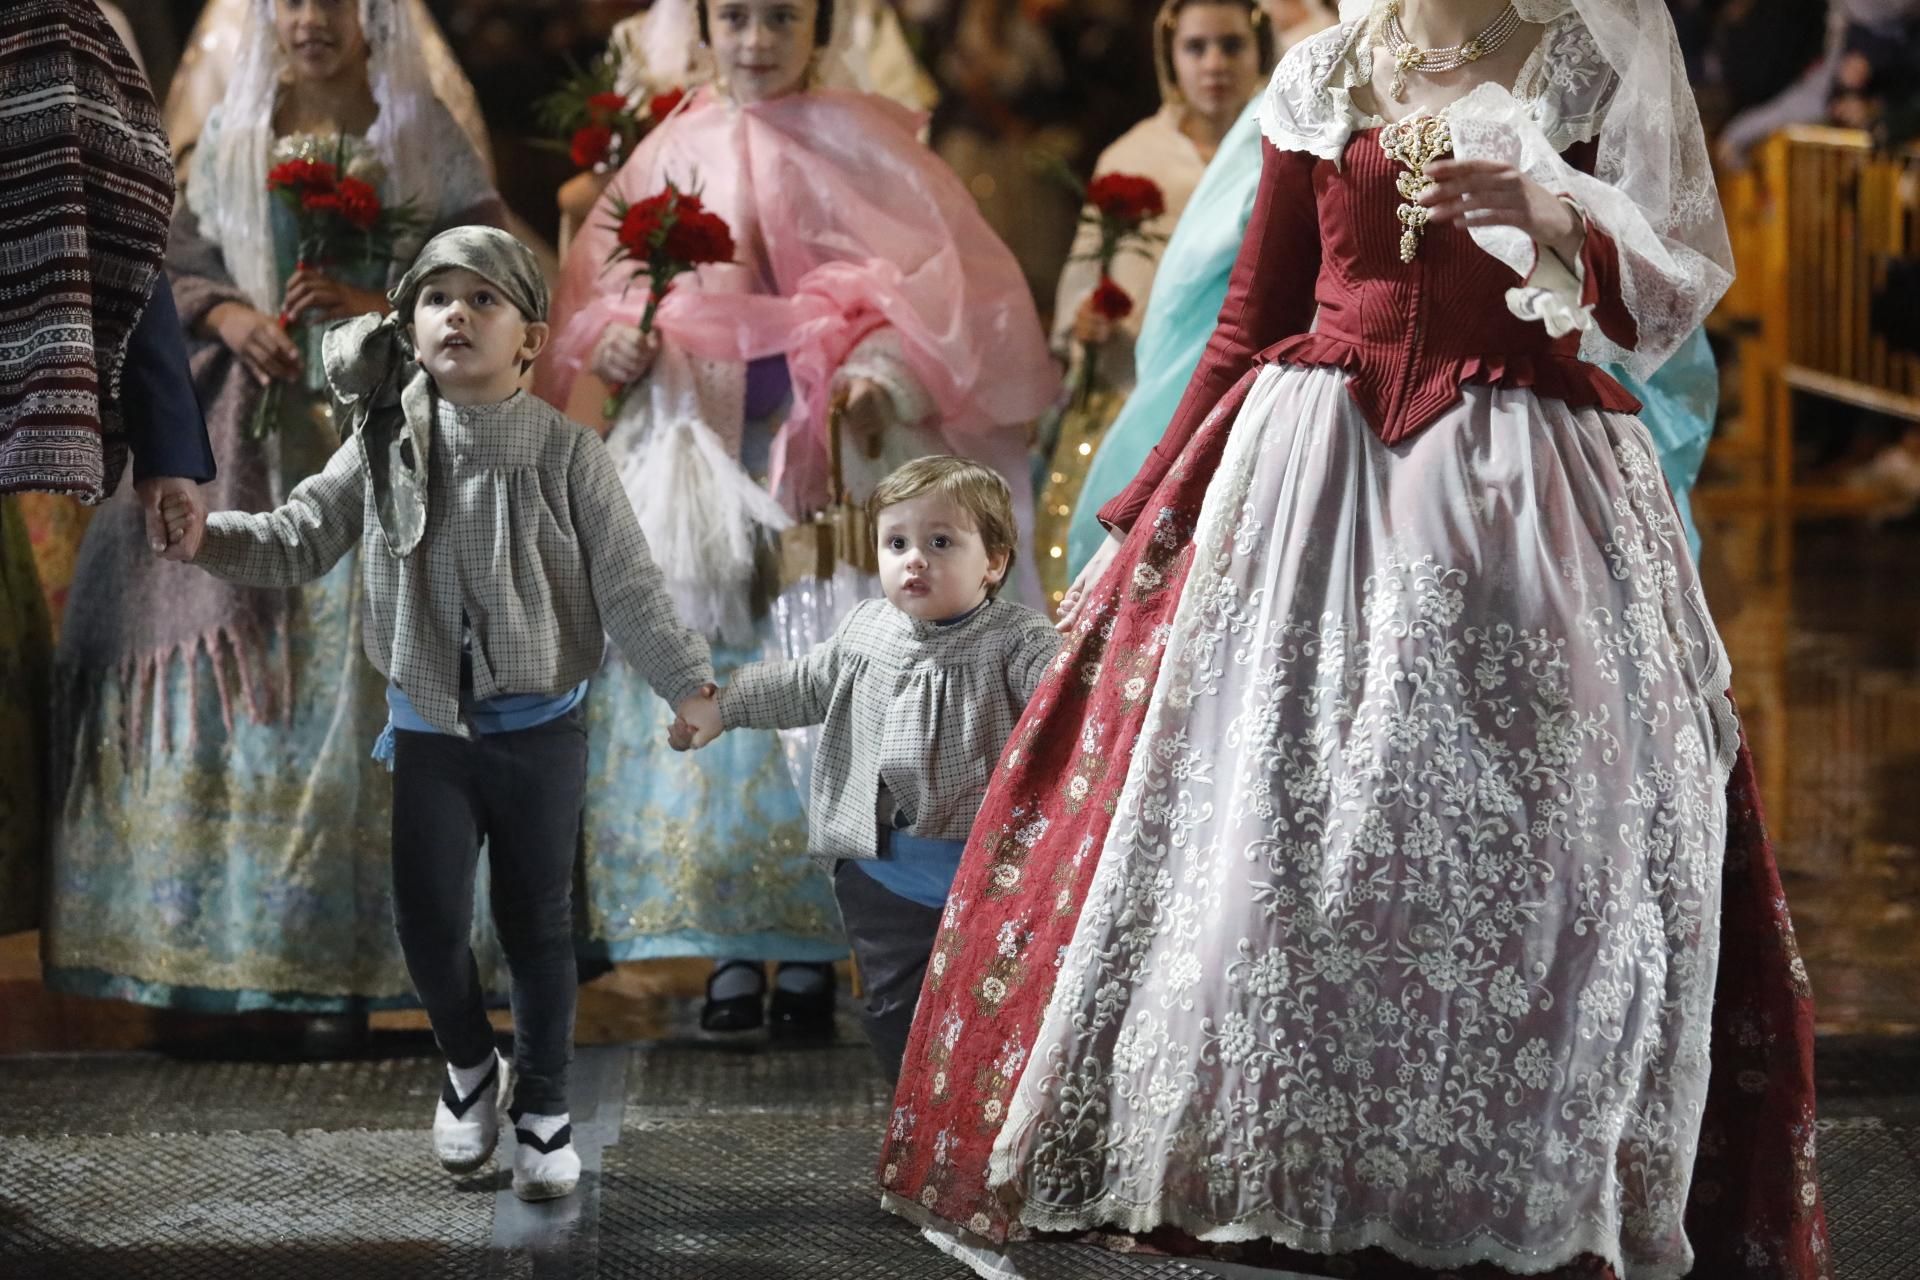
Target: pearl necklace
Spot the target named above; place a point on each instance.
(1407, 56)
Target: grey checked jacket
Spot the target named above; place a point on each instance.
(923, 709)
(529, 535)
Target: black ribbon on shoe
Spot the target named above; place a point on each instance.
(459, 1105)
(528, 1138)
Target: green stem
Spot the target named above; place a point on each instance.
(1083, 386)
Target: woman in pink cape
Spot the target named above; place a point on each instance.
(864, 275)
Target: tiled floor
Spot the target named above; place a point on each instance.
(1827, 670)
(703, 1162)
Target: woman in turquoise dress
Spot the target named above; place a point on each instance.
(220, 843)
(1678, 403)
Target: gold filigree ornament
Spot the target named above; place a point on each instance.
(1415, 143)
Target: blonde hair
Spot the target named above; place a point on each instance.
(976, 490)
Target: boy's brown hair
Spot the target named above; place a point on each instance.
(979, 491)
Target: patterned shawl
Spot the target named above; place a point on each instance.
(86, 193)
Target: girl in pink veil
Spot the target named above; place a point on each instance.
(865, 276)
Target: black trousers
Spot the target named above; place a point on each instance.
(892, 941)
(520, 792)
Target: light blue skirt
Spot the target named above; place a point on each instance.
(699, 853)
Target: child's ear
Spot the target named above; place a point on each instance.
(997, 565)
(538, 332)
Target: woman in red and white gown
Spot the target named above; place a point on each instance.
(1379, 872)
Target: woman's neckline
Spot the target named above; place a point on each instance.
(1359, 60)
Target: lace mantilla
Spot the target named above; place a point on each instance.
(1309, 104)
(1605, 71)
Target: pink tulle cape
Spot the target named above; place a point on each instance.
(860, 227)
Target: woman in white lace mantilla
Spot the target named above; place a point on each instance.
(1355, 882)
(210, 884)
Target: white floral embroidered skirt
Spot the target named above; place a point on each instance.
(1405, 931)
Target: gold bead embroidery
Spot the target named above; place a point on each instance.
(1415, 143)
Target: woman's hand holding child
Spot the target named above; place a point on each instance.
(176, 516)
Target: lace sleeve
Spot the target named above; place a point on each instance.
(1307, 106)
(465, 189)
(1611, 72)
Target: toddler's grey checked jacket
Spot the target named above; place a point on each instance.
(529, 535)
(922, 708)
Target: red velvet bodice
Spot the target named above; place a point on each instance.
(1325, 239)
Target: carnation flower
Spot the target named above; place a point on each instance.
(358, 203)
(1110, 301)
(661, 105)
(604, 106)
(304, 178)
(1127, 198)
(590, 145)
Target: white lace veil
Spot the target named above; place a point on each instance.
(200, 81)
(660, 50)
(1652, 187)
(227, 182)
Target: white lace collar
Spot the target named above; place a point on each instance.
(1308, 105)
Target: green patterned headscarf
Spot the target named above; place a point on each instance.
(385, 399)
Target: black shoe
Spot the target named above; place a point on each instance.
(735, 1013)
(804, 1014)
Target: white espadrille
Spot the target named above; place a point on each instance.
(545, 1165)
(467, 1128)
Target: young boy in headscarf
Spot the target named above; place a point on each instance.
(497, 546)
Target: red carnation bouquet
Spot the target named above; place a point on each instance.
(340, 222)
(1120, 205)
(664, 237)
(594, 123)
(341, 219)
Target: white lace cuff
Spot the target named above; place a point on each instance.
(1551, 291)
(879, 358)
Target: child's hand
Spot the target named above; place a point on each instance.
(696, 721)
